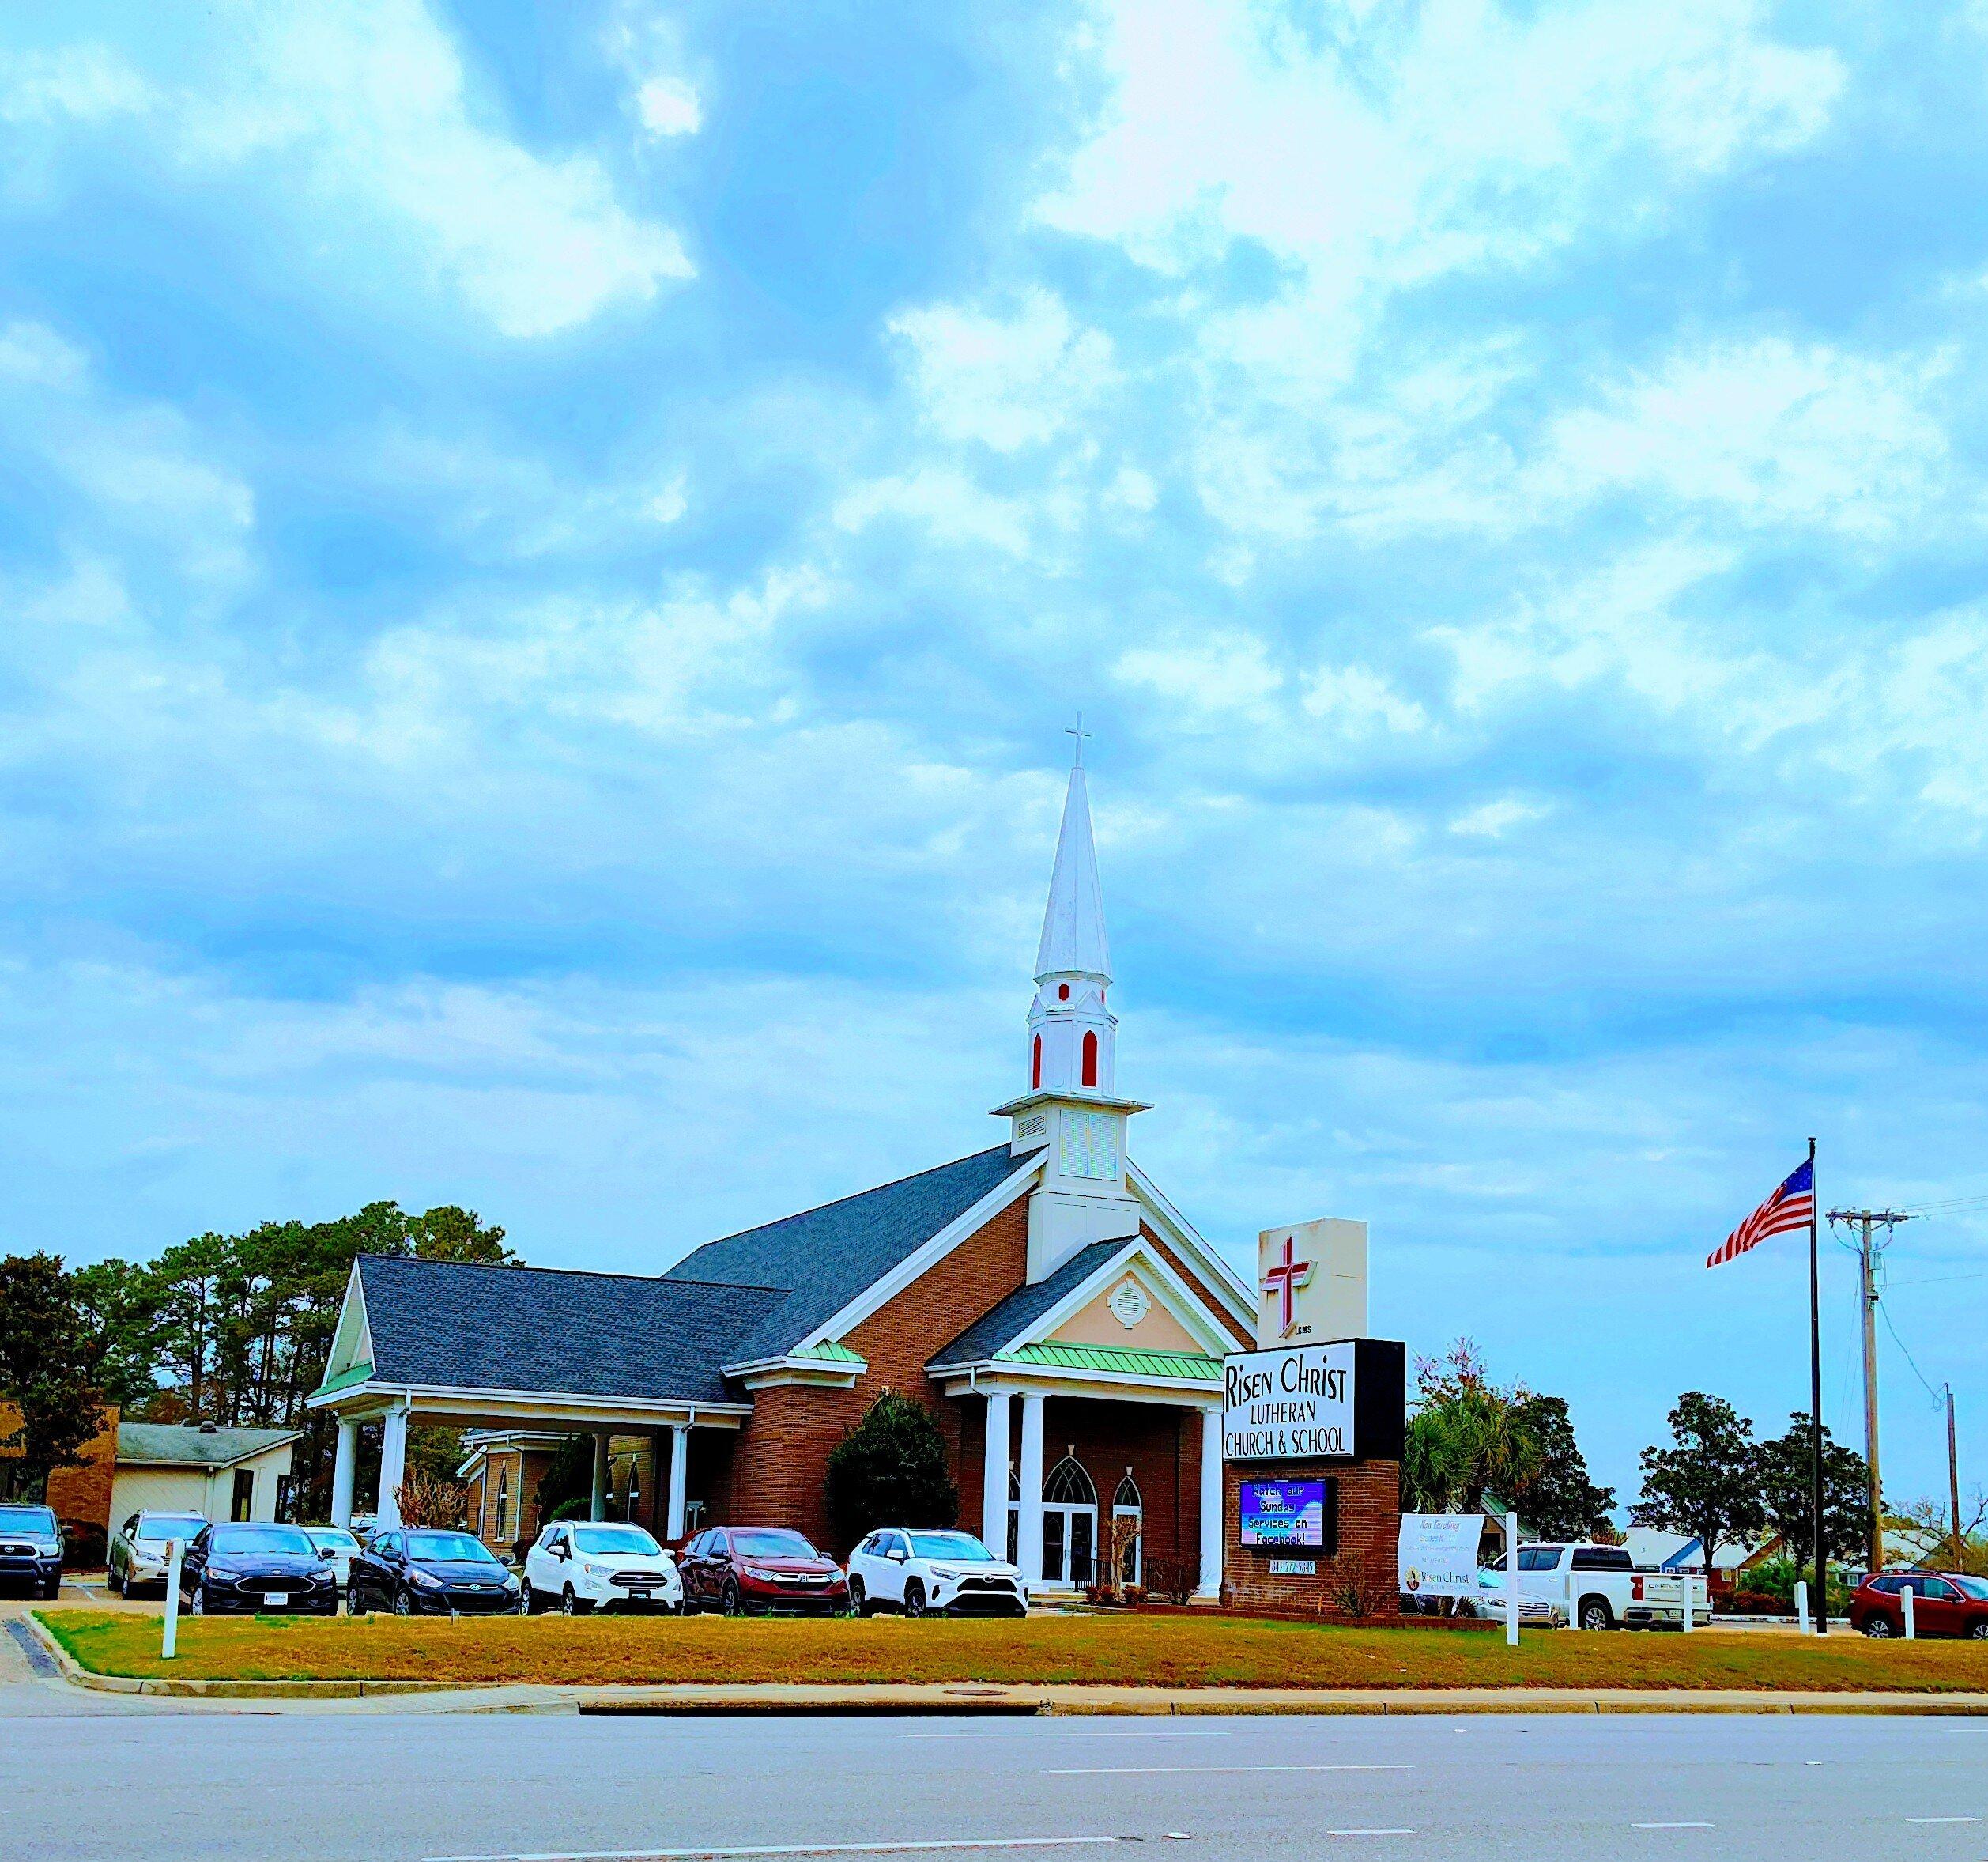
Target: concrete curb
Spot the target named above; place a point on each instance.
(976, 1698)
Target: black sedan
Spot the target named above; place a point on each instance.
(233, 1569)
(413, 1570)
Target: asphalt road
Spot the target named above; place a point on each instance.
(219, 1784)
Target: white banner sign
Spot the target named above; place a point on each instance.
(1439, 1553)
(1295, 1404)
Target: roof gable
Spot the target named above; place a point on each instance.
(823, 1258)
(184, 1444)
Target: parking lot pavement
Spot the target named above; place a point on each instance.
(228, 1786)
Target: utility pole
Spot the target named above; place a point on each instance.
(1864, 1223)
(1953, 1482)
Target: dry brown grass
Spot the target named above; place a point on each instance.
(1151, 1651)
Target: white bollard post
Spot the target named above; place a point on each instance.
(1511, 1580)
(169, 1632)
(1905, 1597)
(1801, 1605)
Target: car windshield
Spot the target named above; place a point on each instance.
(765, 1544)
(456, 1547)
(28, 1519)
(239, 1541)
(1540, 1558)
(331, 1539)
(962, 1548)
(1976, 1587)
(167, 1525)
(615, 1539)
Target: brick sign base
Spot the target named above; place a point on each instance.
(1360, 1581)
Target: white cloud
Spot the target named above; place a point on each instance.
(1356, 702)
(669, 106)
(1211, 677)
(1008, 382)
(365, 116)
(1492, 820)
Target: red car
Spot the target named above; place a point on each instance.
(1943, 1603)
(756, 1570)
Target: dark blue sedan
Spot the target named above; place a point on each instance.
(416, 1570)
(241, 1568)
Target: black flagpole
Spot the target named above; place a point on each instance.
(1815, 1403)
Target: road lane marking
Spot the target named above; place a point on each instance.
(1943, 1819)
(1370, 1833)
(1094, 1771)
(788, 1848)
(1670, 1826)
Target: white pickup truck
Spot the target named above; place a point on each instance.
(1598, 1586)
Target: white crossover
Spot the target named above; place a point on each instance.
(340, 1546)
(579, 1565)
(923, 1571)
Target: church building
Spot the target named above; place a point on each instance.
(1061, 1320)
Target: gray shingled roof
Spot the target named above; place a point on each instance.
(992, 1331)
(185, 1444)
(826, 1256)
(466, 1326)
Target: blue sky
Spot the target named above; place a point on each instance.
(546, 552)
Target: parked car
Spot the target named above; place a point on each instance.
(410, 1570)
(337, 1545)
(579, 1565)
(31, 1549)
(924, 1573)
(754, 1570)
(137, 1553)
(240, 1567)
(1943, 1603)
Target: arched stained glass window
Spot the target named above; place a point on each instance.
(1067, 1485)
(1128, 1492)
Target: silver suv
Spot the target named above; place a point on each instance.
(137, 1554)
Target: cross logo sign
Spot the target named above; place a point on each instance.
(1282, 1279)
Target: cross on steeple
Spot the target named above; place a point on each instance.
(1079, 734)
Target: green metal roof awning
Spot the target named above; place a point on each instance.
(345, 1379)
(1179, 1367)
(832, 1353)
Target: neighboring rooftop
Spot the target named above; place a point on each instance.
(188, 1445)
(823, 1258)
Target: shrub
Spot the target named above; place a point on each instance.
(890, 1470)
(1171, 1576)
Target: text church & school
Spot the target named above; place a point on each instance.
(1060, 1317)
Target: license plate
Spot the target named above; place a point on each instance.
(275, 1600)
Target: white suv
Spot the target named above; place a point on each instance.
(919, 1572)
(579, 1565)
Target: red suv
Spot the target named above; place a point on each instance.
(758, 1569)
(1943, 1603)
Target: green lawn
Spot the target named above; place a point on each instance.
(1170, 1651)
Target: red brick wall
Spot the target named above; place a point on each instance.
(781, 1457)
(1369, 1523)
(80, 1497)
(1245, 1338)
(1162, 1446)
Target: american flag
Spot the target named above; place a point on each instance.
(1793, 1206)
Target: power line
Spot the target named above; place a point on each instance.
(1937, 1396)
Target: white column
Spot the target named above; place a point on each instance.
(679, 1475)
(344, 1466)
(597, 1510)
(993, 1476)
(1030, 1548)
(1211, 1503)
(393, 1466)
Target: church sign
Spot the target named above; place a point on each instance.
(1313, 1402)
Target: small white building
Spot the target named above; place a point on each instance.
(221, 1474)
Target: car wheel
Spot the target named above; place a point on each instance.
(1978, 1630)
(527, 1598)
(355, 1601)
(1596, 1614)
(200, 1600)
(914, 1598)
(858, 1598)
(1878, 1628)
(569, 1605)
(115, 1580)
(731, 1603)
(403, 1603)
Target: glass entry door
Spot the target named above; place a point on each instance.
(1069, 1540)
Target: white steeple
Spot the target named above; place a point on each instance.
(1070, 1112)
